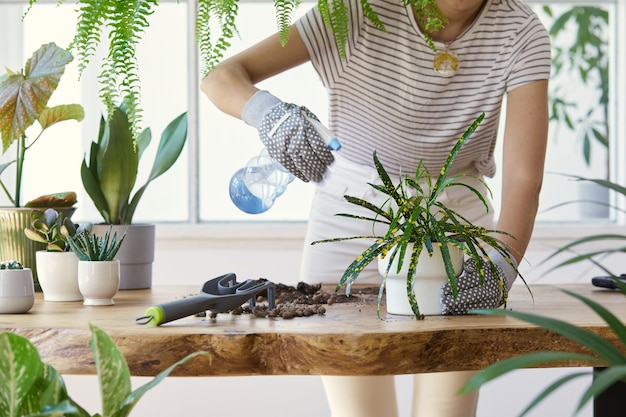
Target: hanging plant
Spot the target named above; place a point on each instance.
(126, 21)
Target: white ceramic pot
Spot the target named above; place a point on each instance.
(430, 276)
(17, 291)
(58, 276)
(98, 281)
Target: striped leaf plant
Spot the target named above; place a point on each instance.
(413, 214)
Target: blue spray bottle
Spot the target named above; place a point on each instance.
(255, 187)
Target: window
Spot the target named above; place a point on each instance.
(196, 189)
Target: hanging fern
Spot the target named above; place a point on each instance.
(224, 12)
(284, 17)
(126, 21)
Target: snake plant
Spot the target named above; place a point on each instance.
(35, 388)
(412, 214)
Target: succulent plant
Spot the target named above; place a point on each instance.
(11, 265)
(53, 228)
(91, 247)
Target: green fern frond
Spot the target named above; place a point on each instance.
(371, 15)
(224, 12)
(430, 17)
(284, 17)
(335, 17)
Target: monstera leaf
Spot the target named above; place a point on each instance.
(24, 95)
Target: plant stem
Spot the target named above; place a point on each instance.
(21, 153)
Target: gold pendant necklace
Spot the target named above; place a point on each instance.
(446, 63)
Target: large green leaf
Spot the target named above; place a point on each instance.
(117, 163)
(112, 370)
(171, 145)
(20, 368)
(23, 96)
(61, 113)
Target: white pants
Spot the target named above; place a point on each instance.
(374, 396)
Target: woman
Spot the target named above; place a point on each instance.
(393, 94)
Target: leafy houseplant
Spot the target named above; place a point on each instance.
(34, 388)
(109, 176)
(24, 97)
(602, 353)
(412, 215)
(126, 22)
(91, 247)
(52, 229)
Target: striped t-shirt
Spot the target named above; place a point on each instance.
(385, 96)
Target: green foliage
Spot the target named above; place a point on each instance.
(212, 49)
(603, 354)
(34, 388)
(11, 265)
(24, 97)
(91, 247)
(109, 177)
(584, 57)
(53, 228)
(412, 214)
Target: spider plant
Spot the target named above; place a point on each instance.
(413, 215)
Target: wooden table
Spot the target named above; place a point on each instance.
(348, 340)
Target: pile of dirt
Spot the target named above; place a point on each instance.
(303, 300)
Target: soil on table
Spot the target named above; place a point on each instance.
(303, 300)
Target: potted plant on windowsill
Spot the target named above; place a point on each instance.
(38, 389)
(24, 97)
(109, 176)
(57, 266)
(98, 270)
(417, 229)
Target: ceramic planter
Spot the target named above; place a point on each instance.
(17, 292)
(13, 242)
(98, 281)
(430, 276)
(58, 276)
(136, 255)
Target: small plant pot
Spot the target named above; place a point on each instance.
(430, 276)
(58, 276)
(98, 281)
(17, 291)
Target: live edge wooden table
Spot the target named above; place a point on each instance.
(348, 340)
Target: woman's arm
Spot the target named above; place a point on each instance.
(232, 82)
(524, 150)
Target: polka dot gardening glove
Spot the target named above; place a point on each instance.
(288, 136)
(472, 294)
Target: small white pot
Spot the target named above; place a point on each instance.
(58, 276)
(430, 276)
(98, 281)
(17, 291)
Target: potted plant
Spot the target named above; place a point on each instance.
(24, 97)
(609, 360)
(17, 292)
(37, 388)
(109, 176)
(98, 271)
(57, 266)
(416, 226)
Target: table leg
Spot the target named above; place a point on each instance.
(611, 403)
